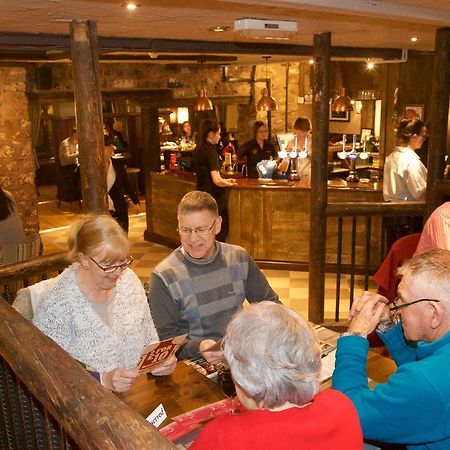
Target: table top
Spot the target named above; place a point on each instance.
(186, 389)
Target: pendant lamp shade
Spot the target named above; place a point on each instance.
(266, 102)
(342, 102)
(203, 102)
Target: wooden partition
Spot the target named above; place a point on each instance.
(47, 400)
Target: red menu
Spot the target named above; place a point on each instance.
(158, 352)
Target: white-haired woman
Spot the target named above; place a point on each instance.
(275, 363)
(97, 309)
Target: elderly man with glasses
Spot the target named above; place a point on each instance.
(413, 407)
(198, 287)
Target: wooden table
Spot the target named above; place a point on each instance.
(186, 389)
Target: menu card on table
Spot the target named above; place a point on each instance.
(158, 352)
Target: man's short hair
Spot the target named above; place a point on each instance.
(430, 267)
(196, 201)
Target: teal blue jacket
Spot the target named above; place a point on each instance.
(413, 407)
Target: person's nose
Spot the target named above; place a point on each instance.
(193, 236)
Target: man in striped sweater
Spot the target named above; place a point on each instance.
(201, 284)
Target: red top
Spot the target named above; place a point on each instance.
(329, 422)
(386, 276)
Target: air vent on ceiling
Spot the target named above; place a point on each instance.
(266, 28)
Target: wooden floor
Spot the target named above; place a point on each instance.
(291, 286)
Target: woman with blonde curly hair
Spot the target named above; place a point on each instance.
(97, 309)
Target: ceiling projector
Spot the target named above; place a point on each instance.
(266, 28)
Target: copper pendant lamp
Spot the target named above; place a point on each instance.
(203, 102)
(342, 102)
(266, 102)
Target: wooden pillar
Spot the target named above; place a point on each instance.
(319, 174)
(88, 103)
(150, 154)
(439, 117)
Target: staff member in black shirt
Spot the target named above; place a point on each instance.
(207, 164)
(258, 149)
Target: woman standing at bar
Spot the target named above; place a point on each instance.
(302, 142)
(257, 149)
(207, 165)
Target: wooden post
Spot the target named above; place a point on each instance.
(88, 102)
(319, 175)
(439, 117)
(150, 155)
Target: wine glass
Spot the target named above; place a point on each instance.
(226, 383)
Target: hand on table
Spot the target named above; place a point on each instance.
(166, 368)
(119, 380)
(367, 311)
(232, 181)
(214, 356)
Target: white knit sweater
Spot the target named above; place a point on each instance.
(66, 315)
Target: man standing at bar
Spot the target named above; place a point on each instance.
(199, 286)
(413, 407)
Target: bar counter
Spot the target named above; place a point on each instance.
(270, 219)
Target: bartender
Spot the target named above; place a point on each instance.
(257, 149)
(302, 143)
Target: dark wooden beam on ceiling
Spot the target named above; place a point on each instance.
(34, 42)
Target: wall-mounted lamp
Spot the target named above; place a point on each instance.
(182, 115)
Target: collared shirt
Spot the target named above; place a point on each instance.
(405, 177)
(68, 152)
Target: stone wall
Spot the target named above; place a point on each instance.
(17, 166)
(156, 76)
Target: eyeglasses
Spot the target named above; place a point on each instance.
(396, 307)
(200, 231)
(111, 269)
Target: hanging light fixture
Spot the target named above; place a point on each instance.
(203, 103)
(266, 102)
(342, 102)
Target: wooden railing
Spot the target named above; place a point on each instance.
(367, 213)
(18, 275)
(47, 400)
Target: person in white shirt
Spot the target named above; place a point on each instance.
(68, 150)
(405, 177)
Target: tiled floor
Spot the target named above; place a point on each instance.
(291, 286)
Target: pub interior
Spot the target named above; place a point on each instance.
(139, 75)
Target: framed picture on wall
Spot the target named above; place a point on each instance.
(336, 116)
(414, 111)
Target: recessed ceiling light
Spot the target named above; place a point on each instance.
(370, 65)
(131, 5)
(414, 39)
(219, 29)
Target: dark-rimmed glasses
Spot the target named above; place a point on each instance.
(396, 307)
(111, 269)
(201, 231)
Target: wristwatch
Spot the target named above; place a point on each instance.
(354, 333)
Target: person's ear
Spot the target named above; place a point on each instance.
(83, 259)
(437, 314)
(218, 225)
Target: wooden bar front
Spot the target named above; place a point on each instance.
(269, 219)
